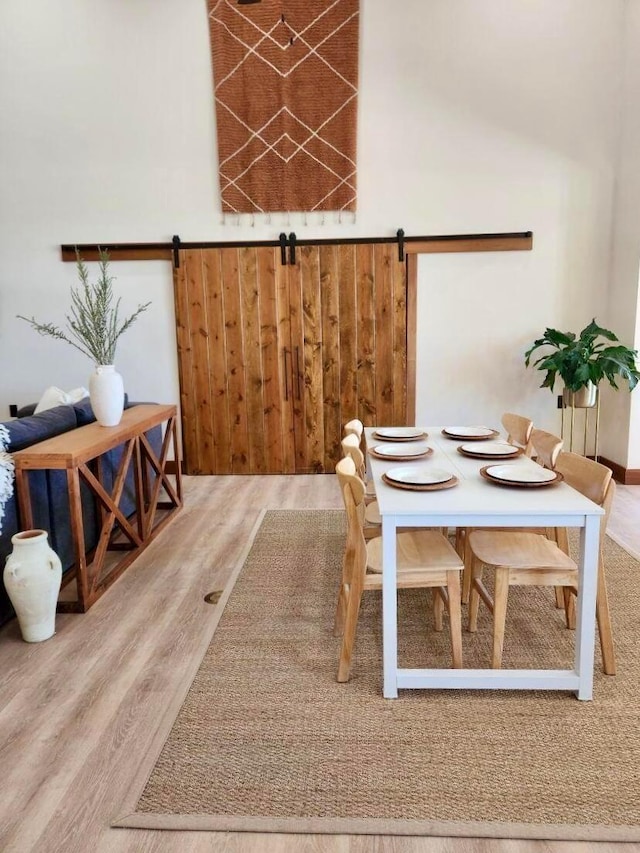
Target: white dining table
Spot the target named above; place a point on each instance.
(475, 502)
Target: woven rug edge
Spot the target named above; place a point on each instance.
(377, 826)
(163, 730)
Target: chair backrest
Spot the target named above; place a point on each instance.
(354, 427)
(546, 447)
(518, 430)
(594, 480)
(351, 448)
(354, 566)
(346, 471)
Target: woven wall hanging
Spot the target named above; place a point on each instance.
(285, 78)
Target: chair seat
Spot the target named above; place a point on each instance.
(518, 551)
(372, 514)
(417, 551)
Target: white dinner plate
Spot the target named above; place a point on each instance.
(418, 475)
(399, 432)
(490, 448)
(393, 450)
(468, 431)
(516, 474)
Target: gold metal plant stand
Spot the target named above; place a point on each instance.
(587, 429)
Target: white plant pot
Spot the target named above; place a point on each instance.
(584, 398)
(106, 391)
(32, 577)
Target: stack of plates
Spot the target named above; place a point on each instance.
(470, 433)
(489, 450)
(400, 451)
(399, 433)
(419, 478)
(513, 475)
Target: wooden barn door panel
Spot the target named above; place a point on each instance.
(306, 354)
(230, 361)
(274, 339)
(217, 349)
(348, 336)
(398, 274)
(348, 317)
(185, 367)
(365, 339)
(366, 409)
(329, 268)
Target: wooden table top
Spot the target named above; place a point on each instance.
(72, 448)
(473, 496)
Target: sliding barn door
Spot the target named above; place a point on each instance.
(274, 359)
(349, 336)
(232, 336)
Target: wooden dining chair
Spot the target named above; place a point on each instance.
(425, 559)
(351, 447)
(529, 559)
(545, 447)
(518, 429)
(354, 427)
(372, 522)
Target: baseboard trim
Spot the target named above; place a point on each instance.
(626, 476)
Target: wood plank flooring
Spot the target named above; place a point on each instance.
(77, 713)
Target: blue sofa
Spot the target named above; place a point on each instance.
(49, 495)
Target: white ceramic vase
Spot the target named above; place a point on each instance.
(106, 392)
(32, 577)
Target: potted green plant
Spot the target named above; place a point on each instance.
(94, 327)
(583, 361)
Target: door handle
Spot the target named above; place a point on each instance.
(286, 352)
(298, 372)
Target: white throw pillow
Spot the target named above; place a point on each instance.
(54, 396)
(51, 398)
(77, 394)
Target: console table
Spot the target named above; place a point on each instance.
(157, 498)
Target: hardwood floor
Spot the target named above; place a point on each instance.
(77, 713)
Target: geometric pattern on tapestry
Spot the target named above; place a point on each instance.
(285, 76)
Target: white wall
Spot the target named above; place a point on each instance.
(474, 117)
(527, 139)
(621, 411)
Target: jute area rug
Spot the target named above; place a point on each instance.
(267, 740)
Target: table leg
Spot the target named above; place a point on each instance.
(389, 608)
(24, 499)
(586, 605)
(141, 489)
(176, 456)
(77, 533)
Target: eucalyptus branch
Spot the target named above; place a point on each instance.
(93, 323)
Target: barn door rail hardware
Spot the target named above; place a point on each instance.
(169, 251)
(175, 241)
